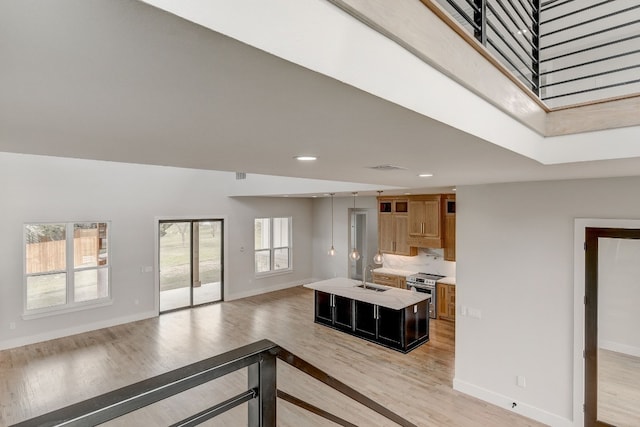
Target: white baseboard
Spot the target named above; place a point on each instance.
(507, 403)
(278, 287)
(60, 333)
(620, 348)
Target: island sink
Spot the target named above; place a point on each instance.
(373, 288)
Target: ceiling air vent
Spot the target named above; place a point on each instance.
(387, 168)
(241, 175)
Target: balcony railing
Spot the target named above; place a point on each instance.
(261, 395)
(566, 51)
(589, 50)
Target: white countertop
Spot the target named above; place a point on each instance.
(449, 280)
(393, 298)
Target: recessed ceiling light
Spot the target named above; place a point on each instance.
(305, 158)
(314, 196)
(425, 175)
(453, 189)
(407, 194)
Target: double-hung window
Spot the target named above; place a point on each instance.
(272, 244)
(66, 266)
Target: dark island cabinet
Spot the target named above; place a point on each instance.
(417, 323)
(342, 312)
(402, 329)
(390, 326)
(324, 308)
(334, 310)
(366, 323)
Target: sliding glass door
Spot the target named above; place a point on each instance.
(190, 258)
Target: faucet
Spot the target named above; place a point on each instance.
(365, 268)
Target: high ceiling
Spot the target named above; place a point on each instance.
(123, 81)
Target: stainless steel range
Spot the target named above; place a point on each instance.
(426, 283)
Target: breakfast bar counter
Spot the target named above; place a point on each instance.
(392, 317)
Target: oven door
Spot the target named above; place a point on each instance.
(427, 290)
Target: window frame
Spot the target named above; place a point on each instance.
(272, 248)
(70, 270)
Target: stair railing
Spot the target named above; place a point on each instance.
(261, 395)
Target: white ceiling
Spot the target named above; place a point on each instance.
(123, 81)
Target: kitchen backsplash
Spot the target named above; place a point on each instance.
(427, 261)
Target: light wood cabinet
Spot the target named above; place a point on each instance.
(449, 215)
(393, 221)
(425, 224)
(420, 221)
(446, 301)
(389, 280)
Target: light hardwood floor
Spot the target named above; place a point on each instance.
(42, 377)
(618, 388)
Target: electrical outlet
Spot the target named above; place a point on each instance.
(12, 325)
(521, 381)
(475, 313)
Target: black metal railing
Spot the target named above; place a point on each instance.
(260, 359)
(566, 51)
(589, 50)
(509, 29)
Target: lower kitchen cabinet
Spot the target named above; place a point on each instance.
(389, 280)
(417, 323)
(334, 310)
(324, 308)
(342, 312)
(390, 326)
(366, 323)
(446, 301)
(402, 329)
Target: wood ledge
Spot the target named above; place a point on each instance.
(587, 117)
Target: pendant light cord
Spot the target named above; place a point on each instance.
(332, 194)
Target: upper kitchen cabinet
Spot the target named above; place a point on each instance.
(425, 221)
(393, 222)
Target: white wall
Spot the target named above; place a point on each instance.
(325, 266)
(39, 188)
(515, 256)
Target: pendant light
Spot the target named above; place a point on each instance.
(332, 251)
(354, 255)
(377, 258)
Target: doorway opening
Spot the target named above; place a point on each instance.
(190, 257)
(358, 240)
(612, 344)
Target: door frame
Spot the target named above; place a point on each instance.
(156, 258)
(352, 225)
(579, 312)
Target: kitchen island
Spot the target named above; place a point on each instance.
(392, 317)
